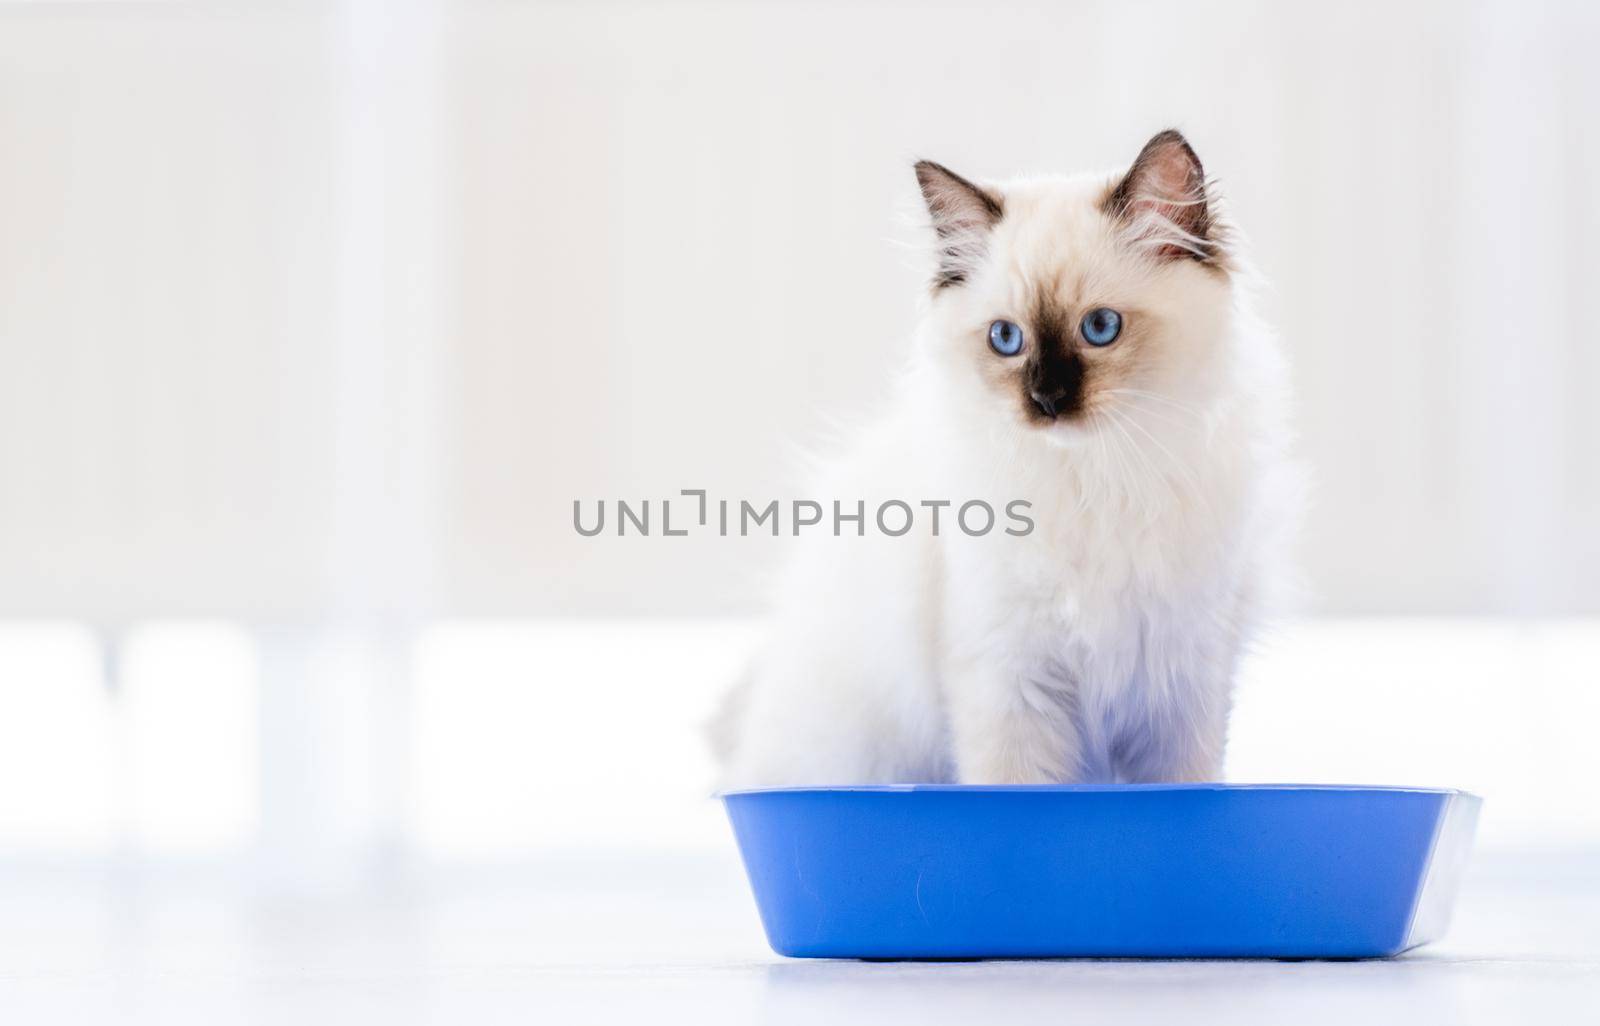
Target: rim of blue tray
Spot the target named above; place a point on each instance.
(1084, 789)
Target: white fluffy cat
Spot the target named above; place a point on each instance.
(1088, 348)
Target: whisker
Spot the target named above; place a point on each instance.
(1177, 464)
(1189, 476)
(1150, 470)
(1113, 454)
(1158, 397)
(1164, 417)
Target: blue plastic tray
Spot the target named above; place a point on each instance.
(1167, 871)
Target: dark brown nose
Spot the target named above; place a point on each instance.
(1052, 381)
(1047, 401)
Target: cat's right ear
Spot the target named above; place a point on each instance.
(963, 214)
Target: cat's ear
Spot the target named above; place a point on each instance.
(963, 214)
(1162, 201)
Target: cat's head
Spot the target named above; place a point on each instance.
(1060, 300)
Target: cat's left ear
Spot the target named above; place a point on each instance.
(963, 214)
(1162, 201)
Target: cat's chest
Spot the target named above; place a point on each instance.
(1103, 563)
(1101, 588)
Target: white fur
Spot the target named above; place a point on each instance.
(1103, 645)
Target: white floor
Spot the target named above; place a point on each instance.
(675, 938)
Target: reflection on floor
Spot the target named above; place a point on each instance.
(662, 939)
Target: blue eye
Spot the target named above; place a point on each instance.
(1101, 326)
(1005, 338)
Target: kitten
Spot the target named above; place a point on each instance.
(1088, 347)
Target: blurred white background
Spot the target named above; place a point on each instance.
(315, 319)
